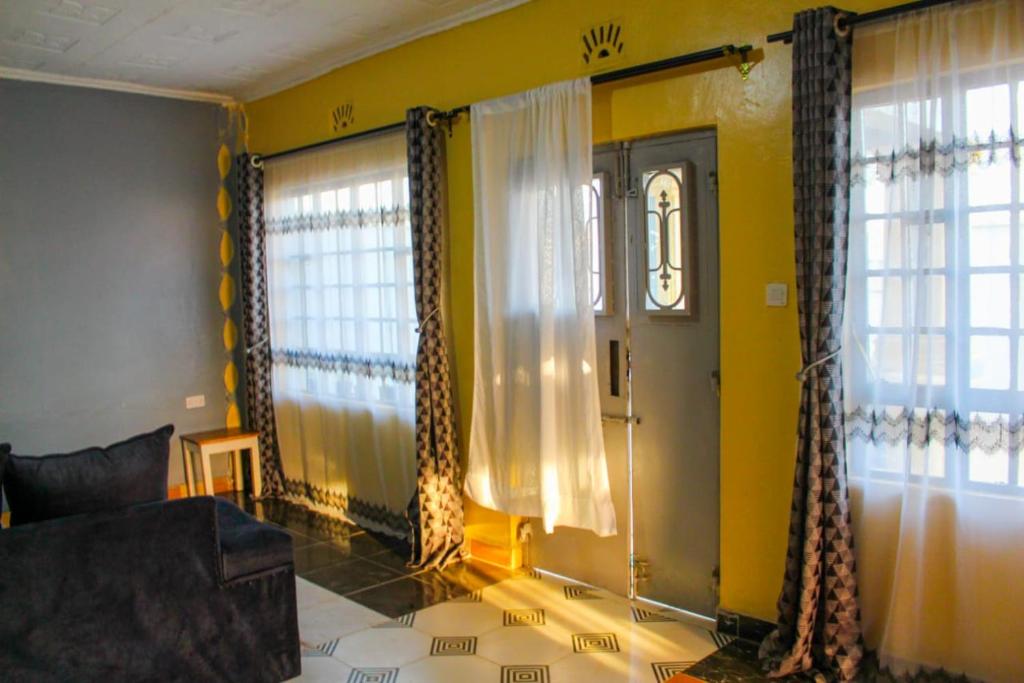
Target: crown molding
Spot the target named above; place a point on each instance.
(471, 14)
(118, 86)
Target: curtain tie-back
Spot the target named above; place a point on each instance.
(426, 320)
(805, 370)
(257, 345)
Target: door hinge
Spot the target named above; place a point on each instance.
(713, 181)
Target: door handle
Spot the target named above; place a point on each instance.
(716, 383)
(620, 419)
(613, 366)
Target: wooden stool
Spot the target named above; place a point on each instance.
(222, 441)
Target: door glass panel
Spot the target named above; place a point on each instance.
(668, 241)
(596, 231)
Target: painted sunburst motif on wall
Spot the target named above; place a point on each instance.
(602, 42)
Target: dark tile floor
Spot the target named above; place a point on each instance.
(366, 567)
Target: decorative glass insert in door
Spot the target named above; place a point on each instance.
(600, 281)
(669, 250)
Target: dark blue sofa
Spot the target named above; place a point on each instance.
(184, 590)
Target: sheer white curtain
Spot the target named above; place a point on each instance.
(934, 356)
(343, 328)
(536, 447)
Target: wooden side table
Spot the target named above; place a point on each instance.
(232, 441)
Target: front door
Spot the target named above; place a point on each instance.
(657, 348)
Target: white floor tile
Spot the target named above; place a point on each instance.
(468, 669)
(525, 644)
(459, 619)
(308, 594)
(335, 619)
(382, 647)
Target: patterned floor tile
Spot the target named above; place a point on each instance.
(580, 593)
(642, 615)
(375, 647)
(323, 669)
(404, 621)
(524, 617)
(666, 670)
(453, 646)
(374, 675)
(589, 643)
(528, 673)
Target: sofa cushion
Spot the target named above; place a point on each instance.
(247, 545)
(94, 479)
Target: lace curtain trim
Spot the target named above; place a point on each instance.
(373, 515)
(921, 428)
(378, 367)
(930, 157)
(336, 220)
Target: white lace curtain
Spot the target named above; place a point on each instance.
(536, 447)
(343, 328)
(933, 351)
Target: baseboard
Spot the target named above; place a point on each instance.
(743, 626)
(220, 485)
(498, 555)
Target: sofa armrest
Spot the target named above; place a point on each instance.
(91, 561)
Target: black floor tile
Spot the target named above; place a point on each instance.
(318, 555)
(393, 560)
(354, 575)
(399, 597)
(467, 577)
(300, 540)
(735, 663)
(360, 545)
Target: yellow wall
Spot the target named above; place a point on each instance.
(539, 43)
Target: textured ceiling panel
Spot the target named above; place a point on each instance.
(237, 48)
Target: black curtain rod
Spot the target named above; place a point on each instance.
(596, 79)
(259, 158)
(867, 17)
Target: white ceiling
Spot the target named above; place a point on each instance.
(211, 49)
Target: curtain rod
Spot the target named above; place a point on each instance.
(854, 19)
(596, 79)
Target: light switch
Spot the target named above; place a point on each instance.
(197, 401)
(776, 294)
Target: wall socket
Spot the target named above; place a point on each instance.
(776, 294)
(197, 401)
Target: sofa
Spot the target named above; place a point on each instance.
(182, 590)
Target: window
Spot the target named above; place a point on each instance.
(936, 270)
(341, 282)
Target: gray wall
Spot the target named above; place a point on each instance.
(108, 267)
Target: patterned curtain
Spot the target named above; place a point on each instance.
(436, 509)
(819, 617)
(256, 321)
